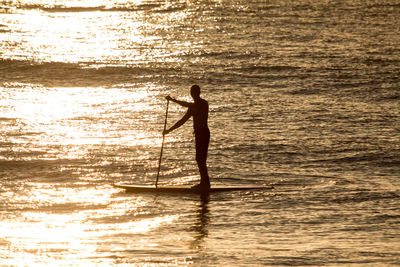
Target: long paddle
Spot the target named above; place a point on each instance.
(162, 144)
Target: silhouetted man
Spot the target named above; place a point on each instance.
(199, 111)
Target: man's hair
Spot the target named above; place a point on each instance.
(195, 90)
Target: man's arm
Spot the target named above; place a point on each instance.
(179, 123)
(182, 103)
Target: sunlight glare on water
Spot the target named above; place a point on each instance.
(80, 37)
(55, 114)
(34, 234)
(303, 95)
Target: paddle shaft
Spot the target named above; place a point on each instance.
(162, 144)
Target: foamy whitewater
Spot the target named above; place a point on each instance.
(304, 96)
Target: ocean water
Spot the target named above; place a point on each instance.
(304, 96)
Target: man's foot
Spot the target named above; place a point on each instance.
(201, 187)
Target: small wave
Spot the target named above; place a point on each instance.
(5, 9)
(157, 7)
(169, 9)
(385, 218)
(305, 92)
(3, 27)
(17, 133)
(376, 159)
(220, 54)
(153, 7)
(85, 118)
(366, 195)
(70, 74)
(7, 119)
(394, 97)
(383, 5)
(58, 8)
(267, 69)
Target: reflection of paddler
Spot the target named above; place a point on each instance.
(199, 111)
(201, 224)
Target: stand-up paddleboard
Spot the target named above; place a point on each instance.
(186, 189)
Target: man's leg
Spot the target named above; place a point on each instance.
(205, 179)
(202, 141)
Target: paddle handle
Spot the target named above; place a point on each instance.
(162, 144)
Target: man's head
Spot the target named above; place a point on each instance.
(195, 91)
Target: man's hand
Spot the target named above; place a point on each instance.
(165, 132)
(168, 98)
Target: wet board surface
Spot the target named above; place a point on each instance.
(186, 189)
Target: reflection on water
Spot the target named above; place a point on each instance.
(82, 37)
(203, 220)
(304, 95)
(72, 226)
(73, 123)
